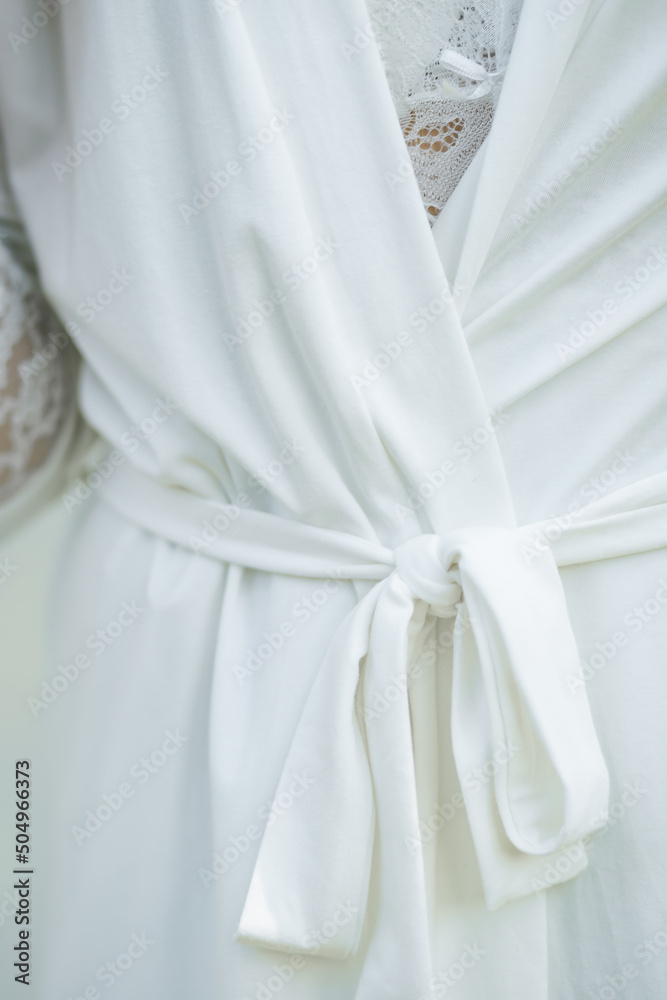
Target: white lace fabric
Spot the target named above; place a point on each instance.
(445, 60)
(36, 376)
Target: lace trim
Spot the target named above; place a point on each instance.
(445, 61)
(36, 376)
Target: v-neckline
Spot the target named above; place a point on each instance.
(465, 228)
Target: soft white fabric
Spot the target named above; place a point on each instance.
(292, 340)
(513, 653)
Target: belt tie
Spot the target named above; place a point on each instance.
(513, 652)
(513, 648)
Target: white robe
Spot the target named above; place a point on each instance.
(218, 203)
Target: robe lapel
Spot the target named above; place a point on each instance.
(465, 228)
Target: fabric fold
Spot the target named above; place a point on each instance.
(513, 651)
(510, 690)
(509, 682)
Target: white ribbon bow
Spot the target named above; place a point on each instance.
(469, 70)
(510, 673)
(509, 688)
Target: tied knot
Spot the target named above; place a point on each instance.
(421, 564)
(480, 81)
